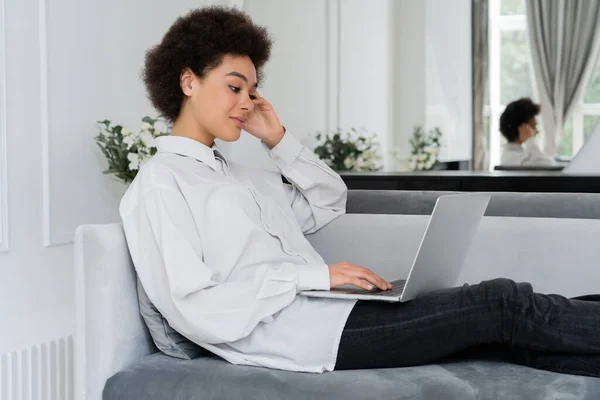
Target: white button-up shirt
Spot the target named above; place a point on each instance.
(524, 154)
(221, 252)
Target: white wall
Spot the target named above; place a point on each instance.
(448, 93)
(35, 282)
(295, 77)
(365, 67)
(3, 154)
(331, 67)
(432, 74)
(387, 65)
(408, 71)
(67, 66)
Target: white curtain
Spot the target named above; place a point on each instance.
(479, 34)
(565, 42)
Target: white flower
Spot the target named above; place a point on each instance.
(134, 161)
(144, 159)
(146, 126)
(348, 162)
(157, 132)
(146, 137)
(370, 165)
(412, 165)
(422, 157)
(360, 164)
(368, 160)
(129, 140)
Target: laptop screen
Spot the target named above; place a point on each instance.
(587, 160)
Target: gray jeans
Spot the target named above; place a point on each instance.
(497, 319)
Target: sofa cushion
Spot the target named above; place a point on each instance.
(158, 377)
(166, 339)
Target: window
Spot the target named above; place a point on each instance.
(511, 77)
(512, 7)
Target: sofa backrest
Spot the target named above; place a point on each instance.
(556, 255)
(511, 204)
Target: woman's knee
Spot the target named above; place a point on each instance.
(503, 287)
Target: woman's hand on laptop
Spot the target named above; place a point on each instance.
(347, 273)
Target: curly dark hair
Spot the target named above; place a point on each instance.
(515, 114)
(199, 40)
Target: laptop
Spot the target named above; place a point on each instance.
(440, 257)
(587, 159)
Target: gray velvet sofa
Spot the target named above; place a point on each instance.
(502, 204)
(549, 240)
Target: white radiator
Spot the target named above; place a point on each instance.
(41, 372)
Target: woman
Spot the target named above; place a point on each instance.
(518, 125)
(221, 252)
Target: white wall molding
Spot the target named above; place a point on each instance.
(3, 144)
(45, 132)
(64, 238)
(44, 123)
(332, 64)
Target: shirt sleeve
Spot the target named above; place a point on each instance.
(196, 301)
(317, 194)
(535, 155)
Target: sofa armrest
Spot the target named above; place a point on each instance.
(109, 333)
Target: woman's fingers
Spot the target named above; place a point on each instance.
(347, 273)
(369, 276)
(375, 279)
(361, 283)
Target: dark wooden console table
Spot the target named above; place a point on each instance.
(474, 181)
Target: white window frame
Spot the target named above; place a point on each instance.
(4, 247)
(498, 24)
(503, 23)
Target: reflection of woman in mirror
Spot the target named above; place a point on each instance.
(518, 125)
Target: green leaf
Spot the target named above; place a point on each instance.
(149, 120)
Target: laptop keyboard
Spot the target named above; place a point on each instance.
(397, 289)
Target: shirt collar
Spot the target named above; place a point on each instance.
(513, 146)
(190, 148)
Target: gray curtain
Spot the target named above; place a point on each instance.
(479, 43)
(564, 40)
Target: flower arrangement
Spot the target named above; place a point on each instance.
(127, 151)
(349, 151)
(425, 149)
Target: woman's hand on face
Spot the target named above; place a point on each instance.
(526, 132)
(263, 123)
(347, 273)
